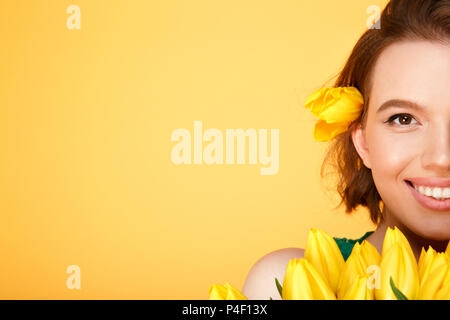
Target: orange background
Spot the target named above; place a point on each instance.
(86, 176)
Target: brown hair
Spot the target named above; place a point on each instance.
(400, 20)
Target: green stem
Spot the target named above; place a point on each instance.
(397, 292)
(279, 287)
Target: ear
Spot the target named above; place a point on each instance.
(359, 141)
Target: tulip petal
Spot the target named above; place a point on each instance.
(225, 292)
(324, 255)
(359, 290)
(336, 108)
(233, 293)
(393, 236)
(425, 261)
(303, 282)
(295, 282)
(324, 131)
(315, 101)
(217, 292)
(345, 109)
(443, 293)
(434, 277)
(362, 256)
(399, 264)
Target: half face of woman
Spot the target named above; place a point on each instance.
(406, 141)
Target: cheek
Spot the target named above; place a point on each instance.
(390, 156)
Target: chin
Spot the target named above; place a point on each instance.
(434, 227)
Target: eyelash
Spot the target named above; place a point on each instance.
(396, 116)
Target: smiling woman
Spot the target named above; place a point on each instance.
(394, 158)
(407, 138)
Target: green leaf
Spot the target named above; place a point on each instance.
(398, 293)
(270, 298)
(279, 287)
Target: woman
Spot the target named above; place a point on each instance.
(395, 158)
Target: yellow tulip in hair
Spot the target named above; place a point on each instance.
(336, 108)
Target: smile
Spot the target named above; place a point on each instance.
(435, 198)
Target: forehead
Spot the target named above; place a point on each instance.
(413, 70)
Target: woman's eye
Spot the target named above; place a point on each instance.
(403, 119)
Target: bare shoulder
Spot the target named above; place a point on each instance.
(260, 281)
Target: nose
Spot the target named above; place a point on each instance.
(437, 155)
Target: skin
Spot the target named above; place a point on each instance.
(413, 145)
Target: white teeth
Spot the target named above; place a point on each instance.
(437, 193)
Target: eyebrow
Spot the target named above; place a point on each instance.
(400, 103)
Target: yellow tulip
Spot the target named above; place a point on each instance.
(435, 281)
(356, 267)
(425, 260)
(324, 255)
(303, 282)
(395, 236)
(336, 108)
(225, 292)
(447, 251)
(397, 262)
(358, 290)
(443, 294)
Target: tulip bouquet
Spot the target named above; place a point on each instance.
(322, 274)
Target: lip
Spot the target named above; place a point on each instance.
(429, 202)
(431, 182)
